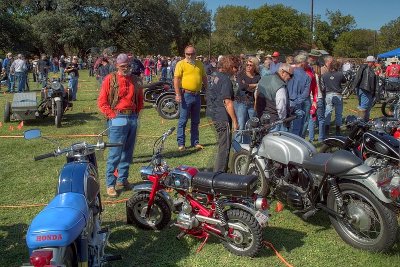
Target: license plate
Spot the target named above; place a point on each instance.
(261, 218)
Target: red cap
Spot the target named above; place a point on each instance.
(275, 54)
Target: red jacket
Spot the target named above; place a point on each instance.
(125, 94)
(313, 85)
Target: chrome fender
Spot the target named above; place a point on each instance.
(146, 187)
(368, 180)
(57, 99)
(240, 206)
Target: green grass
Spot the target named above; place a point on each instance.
(312, 243)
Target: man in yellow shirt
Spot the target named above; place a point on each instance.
(189, 77)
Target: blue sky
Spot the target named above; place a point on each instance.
(369, 14)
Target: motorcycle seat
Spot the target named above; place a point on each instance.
(333, 163)
(152, 85)
(228, 184)
(60, 222)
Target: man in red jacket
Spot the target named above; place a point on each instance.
(120, 99)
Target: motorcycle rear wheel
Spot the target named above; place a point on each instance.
(69, 259)
(248, 243)
(388, 107)
(368, 224)
(238, 162)
(160, 214)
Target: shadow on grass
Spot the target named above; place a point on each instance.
(13, 249)
(282, 239)
(170, 154)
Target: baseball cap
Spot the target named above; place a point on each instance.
(275, 54)
(122, 59)
(314, 53)
(370, 59)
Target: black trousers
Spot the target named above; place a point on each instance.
(224, 140)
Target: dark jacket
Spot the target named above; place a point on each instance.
(366, 79)
(332, 82)
(268, 86)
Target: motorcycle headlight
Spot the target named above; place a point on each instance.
(56, 85)
(252, 123)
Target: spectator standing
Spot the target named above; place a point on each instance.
(274, 66)
(164, 68)
(247, 81)
(119, 98)
(19, 68)
(43, 68)
(189, 77)
(299, 94)
(103, 70)
(271, 95)
(365, 83)
(63, 65)
(90, 62)
(35, 68)
(147, 70)
(220, 108)
(266, 67)
(393, 71)
(73, 73)
(332, 85)
(56, 65)
(6, 67)
(327, 64)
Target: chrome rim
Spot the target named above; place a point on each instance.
(140, 209)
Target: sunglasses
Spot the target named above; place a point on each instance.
(249, 65)
(189, 54)
(290, 74)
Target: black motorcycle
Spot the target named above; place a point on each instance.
(391, 106)
(55, 100)
(370, 141)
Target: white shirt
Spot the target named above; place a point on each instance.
(281, 102)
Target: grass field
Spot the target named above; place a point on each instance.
(24, 182)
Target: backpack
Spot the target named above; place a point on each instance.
(114, 92)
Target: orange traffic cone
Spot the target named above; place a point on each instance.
(279, 206)
(20, 125)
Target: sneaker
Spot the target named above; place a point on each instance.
(181, 148)
(125, 185)
(198, 146)
(111, 192)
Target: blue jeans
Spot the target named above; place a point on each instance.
(62, 74)
(364, 101)
(189, 107)
(279, 127)
(120, 157)
(21, 81)
(334, 101)
(43, 78)
(73, 85)
(298, 124)
(244, 111)
(321, 122)
(164, 73)
(11, 82)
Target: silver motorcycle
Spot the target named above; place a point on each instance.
(361, 201)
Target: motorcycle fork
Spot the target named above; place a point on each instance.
(153, 193)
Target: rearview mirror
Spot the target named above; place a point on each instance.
(32, 134)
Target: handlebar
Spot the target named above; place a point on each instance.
(169, 132)
(44, 156)
(112, 144)
(269, 126)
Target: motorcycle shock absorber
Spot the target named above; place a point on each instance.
(336, 192)
(220, 211)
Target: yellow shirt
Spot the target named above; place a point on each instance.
(191, 75)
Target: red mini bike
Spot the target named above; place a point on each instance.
(221, 204)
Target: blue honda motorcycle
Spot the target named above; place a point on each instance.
(67, 232)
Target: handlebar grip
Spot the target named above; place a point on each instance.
(44, 156)
(113, 144)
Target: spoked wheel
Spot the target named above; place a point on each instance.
(347, 91)
(368, 224)
(238, 164)
(168, 108)
(158, 218)
(58, 114)
(244, 243)
(389, 107)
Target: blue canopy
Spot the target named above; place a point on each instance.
(393, 53)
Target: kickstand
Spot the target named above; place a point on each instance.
(203, 243)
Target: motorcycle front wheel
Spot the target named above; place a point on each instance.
(245, 243)
(367, 224)
(58, 114)
(388, 107)
(158, 218)
(238, 163)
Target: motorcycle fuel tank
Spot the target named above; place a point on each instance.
(286, 148)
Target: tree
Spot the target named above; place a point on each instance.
(233, 30)
(194, 22)
(355, 44)
(389, 37)
(278, 27)
(324, 38)
(340, 23)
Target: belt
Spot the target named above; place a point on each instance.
(190, 92)
(126, 112)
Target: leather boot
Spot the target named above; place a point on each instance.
(326, 131)
(337, 130)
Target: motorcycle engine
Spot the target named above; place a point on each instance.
(375, 162)
(292, 186)
(185, 218)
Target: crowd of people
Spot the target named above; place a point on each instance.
(237, 89)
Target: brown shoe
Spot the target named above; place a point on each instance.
(198, 146)
(125, 185)
(181, 148)
(111, 192)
